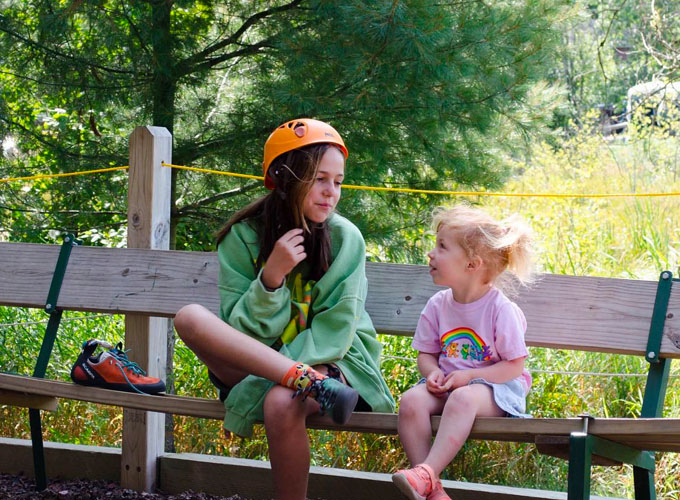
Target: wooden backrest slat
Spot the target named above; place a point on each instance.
(571, 312)
(112, 280)
(26, 273)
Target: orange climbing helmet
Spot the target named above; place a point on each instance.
(295, 134)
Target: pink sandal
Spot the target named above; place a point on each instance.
(419, 483)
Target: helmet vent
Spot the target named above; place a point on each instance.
(300, 129)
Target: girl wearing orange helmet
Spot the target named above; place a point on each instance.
(292, 287)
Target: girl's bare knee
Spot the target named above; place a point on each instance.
(411, 403)
(280, 408)
(468, 398)
(186, 320)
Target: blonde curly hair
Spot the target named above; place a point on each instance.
(504, 246)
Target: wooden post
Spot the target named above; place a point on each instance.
(148, 227)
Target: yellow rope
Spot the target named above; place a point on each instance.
(365, 188)
(519, 195)
(219, 172)
(429, 191)
(68, 174)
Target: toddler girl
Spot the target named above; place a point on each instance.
(470, 343)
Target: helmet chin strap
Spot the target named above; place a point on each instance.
(276, 172)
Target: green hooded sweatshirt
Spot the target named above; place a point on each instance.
(338, 329)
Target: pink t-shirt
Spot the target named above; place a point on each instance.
(472, 335)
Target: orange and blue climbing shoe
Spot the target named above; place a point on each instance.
(111, 369)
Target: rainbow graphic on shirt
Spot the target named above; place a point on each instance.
(464, 343)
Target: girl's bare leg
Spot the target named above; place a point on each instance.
(228, 353)
(462, 407)
(414, 425)
(284, 423)
(231, 355)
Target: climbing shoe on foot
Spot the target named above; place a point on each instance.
(334, 397)
(111, 369)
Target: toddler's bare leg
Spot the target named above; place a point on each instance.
(415, 428)
(462, 407)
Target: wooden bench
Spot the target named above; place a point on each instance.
(565, 312)
(150, 284)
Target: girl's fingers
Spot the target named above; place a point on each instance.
(293, 239)
(436, 390)
(298, 245)
(433, 385)
(292, 234)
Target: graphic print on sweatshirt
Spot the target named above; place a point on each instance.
(466, 344)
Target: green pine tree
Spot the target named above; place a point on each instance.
(427, 95)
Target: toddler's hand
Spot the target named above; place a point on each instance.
(455, 379)
(288, 252)
(434, 383)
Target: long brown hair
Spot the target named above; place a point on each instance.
(282, 209)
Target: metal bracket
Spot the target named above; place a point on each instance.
(51, 305)
(44, 356)
(657, 377)
(585, 420)
(663, 293)
(655, 388)
(60, 272)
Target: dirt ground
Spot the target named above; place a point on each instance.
(20, 487)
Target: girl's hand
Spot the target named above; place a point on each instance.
(456, 379)
(288, 252)
(434, 383)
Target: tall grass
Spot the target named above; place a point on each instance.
(619, 237)
(616, 237)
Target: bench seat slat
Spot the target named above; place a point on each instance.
(558, 446)
(179, 405)
(584, 313)
(663, 434)
(34, 401)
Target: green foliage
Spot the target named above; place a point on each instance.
(426, 95)
(608, 47)
(620, 237)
